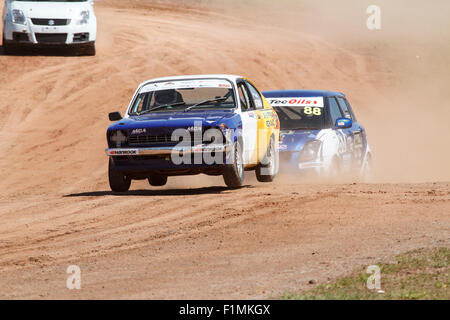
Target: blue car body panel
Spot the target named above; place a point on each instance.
(293, 141)
(163, 124)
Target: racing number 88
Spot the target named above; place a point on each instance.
(315, 111)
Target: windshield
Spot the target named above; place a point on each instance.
(299, 113)
(184, 95)
(292, 118)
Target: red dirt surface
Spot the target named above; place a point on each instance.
(194, 238)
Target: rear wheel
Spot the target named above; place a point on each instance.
(233, 173)
(267, 171)
(117, 180)
(157, 181)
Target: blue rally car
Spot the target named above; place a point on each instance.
(320, 134)
(207, 124)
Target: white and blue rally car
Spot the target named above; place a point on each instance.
(188, 125)
(320, 134)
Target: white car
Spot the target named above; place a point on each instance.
(49, 23)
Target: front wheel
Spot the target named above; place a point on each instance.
(87, 49)
(366, 171)
(117, 180)
(333, 173)
(267, 170)
(7, 50)
(233, 173)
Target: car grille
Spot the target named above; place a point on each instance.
(150, 140)
(51, 37)
(50, 22)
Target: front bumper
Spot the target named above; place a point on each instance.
(32, 34)
(166, 151)
(140, 162)
(289, 163)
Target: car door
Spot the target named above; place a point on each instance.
(356, 133)
(345, 137)
(263, 134)
(249, 125)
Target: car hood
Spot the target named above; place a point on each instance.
(166, 122)
(49, 10)
(294, 140)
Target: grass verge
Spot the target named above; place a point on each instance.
(418, 274)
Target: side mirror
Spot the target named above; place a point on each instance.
(344, 123)
(115, 116)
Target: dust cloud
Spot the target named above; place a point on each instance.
(396, 78)
(399, 88)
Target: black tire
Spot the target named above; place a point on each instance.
(233, 173)
(117, 180)
(334, 173)
(267, 171)
(7, 50)
(90, 49)
(157, 180)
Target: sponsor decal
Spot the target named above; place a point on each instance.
(194, 129)
(187, 84)
(267, 114)
(124, 152)
(297, 102)
(270, 123)
(138, 131)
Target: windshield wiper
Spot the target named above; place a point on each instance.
(205, 102)
(161, 107)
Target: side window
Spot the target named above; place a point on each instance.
(350, 110)
(142, 102)
(344, 107)
(243, 96)
(335, 111)
(257, 100)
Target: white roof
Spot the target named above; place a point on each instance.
(230, 77)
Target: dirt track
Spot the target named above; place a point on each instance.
(194, 238)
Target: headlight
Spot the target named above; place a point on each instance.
(310, 151)
(118, 138)
(84, 17)
(18, 17)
